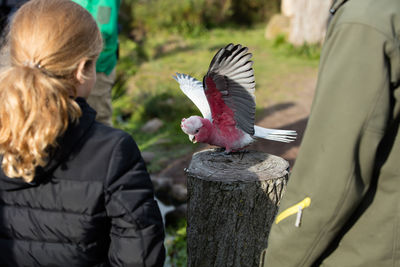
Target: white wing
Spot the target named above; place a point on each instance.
(193, 89)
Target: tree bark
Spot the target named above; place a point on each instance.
(309, 20)
(232, 203)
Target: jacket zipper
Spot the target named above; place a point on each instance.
(295, 209)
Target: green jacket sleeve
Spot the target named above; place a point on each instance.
(334, 168)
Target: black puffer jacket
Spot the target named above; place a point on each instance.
(92, 205)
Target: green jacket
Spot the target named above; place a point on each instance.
(105, 13)
(346, 179)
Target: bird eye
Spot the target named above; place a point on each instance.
(197, 130)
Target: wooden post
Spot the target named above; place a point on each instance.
(232, 203)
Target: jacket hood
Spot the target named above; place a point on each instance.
(66, 145)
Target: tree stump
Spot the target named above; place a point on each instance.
(232, 203)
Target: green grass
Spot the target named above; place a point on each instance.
(176, 245)
(146, 88)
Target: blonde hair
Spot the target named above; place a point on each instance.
(47, 40)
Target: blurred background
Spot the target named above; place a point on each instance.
(160, 37)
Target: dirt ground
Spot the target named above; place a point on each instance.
(291, 115)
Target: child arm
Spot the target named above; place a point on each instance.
(137, 231)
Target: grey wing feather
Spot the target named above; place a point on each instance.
(232, 72)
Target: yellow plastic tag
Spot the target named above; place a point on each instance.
(293, 209)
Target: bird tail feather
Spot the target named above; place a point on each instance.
(285, 136)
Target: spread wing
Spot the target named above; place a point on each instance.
(230, 86)
(193, 89)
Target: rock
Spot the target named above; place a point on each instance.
(152, 126)
(148, 156)
(170, 101)
(161, 183)
(167, 192)
(164, 161)
(278, 25)
(172, 218)
(162, 188)
(178, 193)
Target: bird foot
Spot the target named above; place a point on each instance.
(219, 149)
(224, 153)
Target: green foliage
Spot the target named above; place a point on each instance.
(184, 16)
(128, 63)
(137, 108)
(193, 17)
(167, 106)
(176, 245)
(249, 12)
(279, 40)
(131, 55)
(217, 13)
(309, 51)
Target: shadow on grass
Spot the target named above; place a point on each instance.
(265, 112)
(172, 47)
(285, 150)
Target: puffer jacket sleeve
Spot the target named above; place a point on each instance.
(137, 231)
(334, 169)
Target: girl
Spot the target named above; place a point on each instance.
(73, 192)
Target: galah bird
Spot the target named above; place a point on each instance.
(226, 101)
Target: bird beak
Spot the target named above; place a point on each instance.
(192, 138)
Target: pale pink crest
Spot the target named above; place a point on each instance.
(191, 125)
